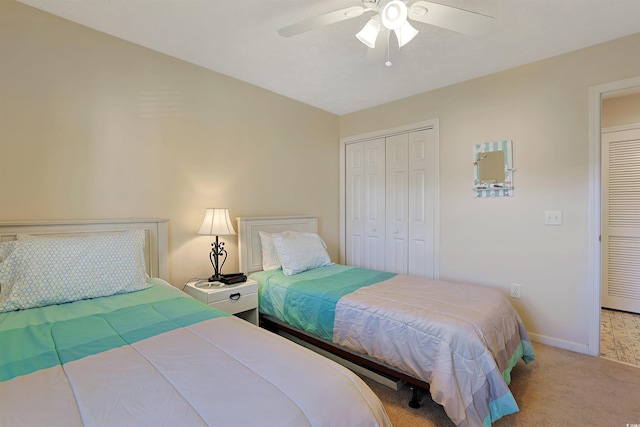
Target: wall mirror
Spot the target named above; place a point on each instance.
(493, 169)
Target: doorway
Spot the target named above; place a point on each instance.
(619, 340)
(596, 94)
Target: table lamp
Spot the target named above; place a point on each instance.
(217, 223)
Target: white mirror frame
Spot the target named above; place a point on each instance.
(501, 189)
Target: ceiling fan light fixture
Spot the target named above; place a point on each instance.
(369, 33)
(405, 33)
(394, 14)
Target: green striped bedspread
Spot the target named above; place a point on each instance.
(158, 357)
(63, 333)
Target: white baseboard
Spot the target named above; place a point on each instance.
(564, 344)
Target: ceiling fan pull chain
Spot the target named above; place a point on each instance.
(388, 63)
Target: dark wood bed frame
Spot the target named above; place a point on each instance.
(275, 325)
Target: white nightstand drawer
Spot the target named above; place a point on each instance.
(236, 301)
(240, 299)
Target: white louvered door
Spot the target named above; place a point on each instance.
(621, 220)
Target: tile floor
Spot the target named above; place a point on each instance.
(620, 336)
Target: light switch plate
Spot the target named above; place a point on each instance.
(552, 217)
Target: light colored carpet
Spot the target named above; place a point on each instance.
(559, 388)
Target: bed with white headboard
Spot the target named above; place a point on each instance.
(250, 256)
(148, 354)
(249, 228)
(156, 235)
(460, 341)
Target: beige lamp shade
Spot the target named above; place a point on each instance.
(217, 223)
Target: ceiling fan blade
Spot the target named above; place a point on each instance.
(321, 21)
(451, 18)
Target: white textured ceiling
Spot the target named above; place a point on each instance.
(327, 68)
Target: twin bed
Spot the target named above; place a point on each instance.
(460, 341)
(92, 334)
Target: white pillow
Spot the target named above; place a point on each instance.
(300, 252)
(270, 260)
(46, 271)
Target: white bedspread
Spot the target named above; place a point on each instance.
(459, 338)
(97, 369)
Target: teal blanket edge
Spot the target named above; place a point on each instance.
(308, 300)
(105, 323)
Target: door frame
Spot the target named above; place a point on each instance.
(383, 133)
(594, 282)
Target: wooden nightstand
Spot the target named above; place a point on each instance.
(240, 299)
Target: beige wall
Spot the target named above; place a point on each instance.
(94, 127)
(543, 109)
(619, 111)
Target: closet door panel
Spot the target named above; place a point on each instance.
(354, 194)
(397, 256)
(422, 192)
(417, 262)
(417, 258)
(365, 209)
(397, 205)
(375, 207)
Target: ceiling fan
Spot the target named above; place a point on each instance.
(393, 16)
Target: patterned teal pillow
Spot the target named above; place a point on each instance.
(5, 249)
(45, 271)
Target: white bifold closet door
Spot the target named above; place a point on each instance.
(390, 207)
(621, 220)
(397, 203)
(365, 195)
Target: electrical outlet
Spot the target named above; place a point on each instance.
(515, 290)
